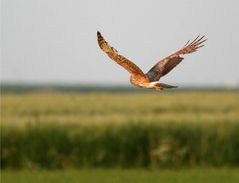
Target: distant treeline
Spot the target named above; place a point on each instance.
(25, 88)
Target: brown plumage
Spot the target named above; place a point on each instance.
(151, 78)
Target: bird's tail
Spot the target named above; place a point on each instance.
(163, 85)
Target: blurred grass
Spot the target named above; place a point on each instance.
(123, 176)
(54, 130)
(88, 109)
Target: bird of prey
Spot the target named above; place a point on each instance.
(151, 79)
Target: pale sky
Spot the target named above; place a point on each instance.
(55, 40)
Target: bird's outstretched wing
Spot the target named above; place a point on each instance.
(167, 64)
(121, 60)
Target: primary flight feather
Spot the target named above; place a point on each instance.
(163, 67)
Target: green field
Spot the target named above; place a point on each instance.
(121, 130)
(123, 176)
(120, 137)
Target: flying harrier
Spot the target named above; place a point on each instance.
(163, 67)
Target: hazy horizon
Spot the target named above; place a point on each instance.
(55, 41)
